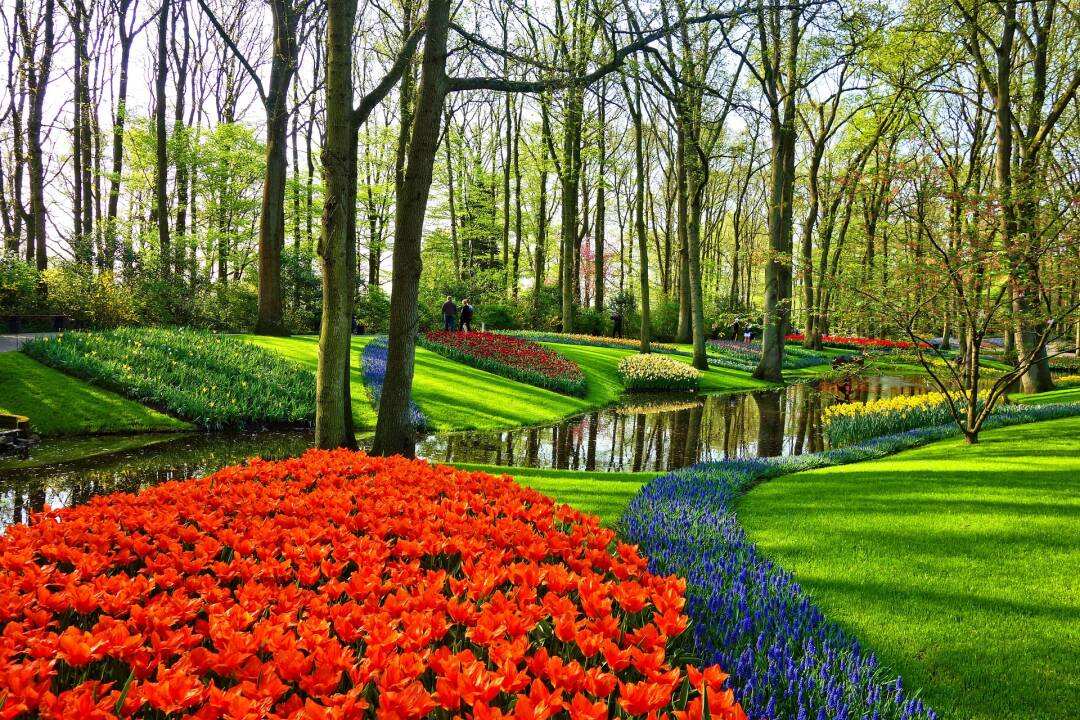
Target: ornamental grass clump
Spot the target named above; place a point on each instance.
(850, 423)
(340, 586)
(656, 373)
(510, 357)
(214, 381)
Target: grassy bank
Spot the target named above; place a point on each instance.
(955, 564)
(454, 396)
(58, 404)
(598, 493)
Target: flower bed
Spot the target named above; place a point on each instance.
(592, 340)
(517, 359)
(657, 373)
(414, 591)
(749, 615)
(746, 356)
(850, 423)
(1063, 382)
(373, 364)
(212, 380)
(857, 343)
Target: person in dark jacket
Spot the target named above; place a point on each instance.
(466, 316)
(616, 321)
(449, 314)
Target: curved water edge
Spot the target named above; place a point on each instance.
(642, 433)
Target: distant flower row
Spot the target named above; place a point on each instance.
(856, 343)
(591, 340)
(337, 585)
(735, 355)
(511, 357)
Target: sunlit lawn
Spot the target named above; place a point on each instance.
(959, 566)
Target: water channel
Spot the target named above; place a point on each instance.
(642, 433)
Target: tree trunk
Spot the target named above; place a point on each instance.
(394, 433)
(332, 402)
(161, 172)
(37, 84)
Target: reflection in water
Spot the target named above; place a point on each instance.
(23, 491)
(665, 432)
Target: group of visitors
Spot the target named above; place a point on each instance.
(450, 315)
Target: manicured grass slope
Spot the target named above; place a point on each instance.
(304, 349)
(454, 396)
(597, 493)
(957, 565)
(58, 404)
(1068, 395)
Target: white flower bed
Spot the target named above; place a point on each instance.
(657, 373)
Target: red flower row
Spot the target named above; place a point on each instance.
(337, 585)
(857, 341)
(509, 356)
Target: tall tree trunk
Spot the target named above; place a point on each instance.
(601, 201)
(570, 178)
(394, 432)
(161, 171)
(37, 84)
(119, 119)
(333, 405)
(639, 212)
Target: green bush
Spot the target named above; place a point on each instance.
(211, 380)
(18, 284)
(499, 316)
(97, 301)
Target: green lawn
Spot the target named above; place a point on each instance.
(58, 404)
(1068, 395)
(457, 397)
(597, 493)
(957, 565)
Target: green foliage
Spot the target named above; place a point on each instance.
(214, 381)
(499, 316)
(18, 284)
(589, 321)
(373, 309)
(92, 300)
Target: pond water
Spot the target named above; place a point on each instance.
(670, 431)
(643, 433)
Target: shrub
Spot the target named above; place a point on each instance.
(96, 301)
(657, 373)
(18, 285)
(211, 380)
(850, 423)
(496, 317)
(588, 321)
(751, 616)
(412, 591)
(510, 357)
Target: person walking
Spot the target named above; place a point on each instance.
(616, 320)
(466, 316)
(449, 314)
